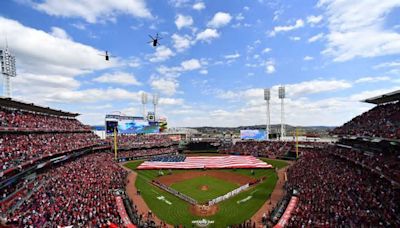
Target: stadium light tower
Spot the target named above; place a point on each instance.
(7, 62)
(282, 97)
(155, 103)
(267, 97)
(144, 102)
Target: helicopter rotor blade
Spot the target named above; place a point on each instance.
(151, 37)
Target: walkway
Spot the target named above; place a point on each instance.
(276, 195)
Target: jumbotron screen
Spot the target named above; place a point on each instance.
(253, 134)
(130, 125)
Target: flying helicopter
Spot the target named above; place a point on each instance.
(155, 41)
(107, 56)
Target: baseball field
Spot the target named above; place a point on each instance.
(204, 185)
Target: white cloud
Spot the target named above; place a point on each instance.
(170, 101)
(93, 11)
(239, 17)
(270, 67)
(372, 93)
(314, 19)
(295, 38)
(372, 79)
(187, 65)
(266, 50)
(181, 43)
(166, 86)
(199, 6)
(298, 24)
(72, 58)
(204, 71)
(232, 56)
(220, 19)
(192, 64)
(122, 78)
(79, 26)
(357, 29)
(316, 86)
(179, 3)
(317, 37)
(162, 53)
(182, 21)
(388, 65)
(60, 33)
(207, 35)
(308, 58)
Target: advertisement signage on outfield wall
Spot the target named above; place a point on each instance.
(253, 135)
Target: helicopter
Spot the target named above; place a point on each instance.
(107, 56)
(155, 41)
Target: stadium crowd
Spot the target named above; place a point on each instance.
(270, 149)
(147, 152)
(381, 121)
(334, 192)
(79, 192)
(385, 163)
(16, 149)
(142, 141)
(13, 118)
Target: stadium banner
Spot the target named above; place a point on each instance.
(122, 213)
(130, 125)
(283, 221)
(253, 134)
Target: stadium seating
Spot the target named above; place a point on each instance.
(169, 158)
(80, 192)
(16, 149)
(381, 121)
(271, 149)
(142, 141)
(136, 153)
(335, 192)
(384, 163)
(13, 118)
(27, 136)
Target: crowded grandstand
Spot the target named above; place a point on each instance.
(56, 172)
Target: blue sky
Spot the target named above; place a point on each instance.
(214, 60)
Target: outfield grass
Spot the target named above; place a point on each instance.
(192, 188)
(232, 211)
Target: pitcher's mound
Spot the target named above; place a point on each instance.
(204, 188)
(203, 210)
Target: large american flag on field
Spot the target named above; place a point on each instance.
(209, 162)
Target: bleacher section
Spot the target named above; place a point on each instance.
(382, 121)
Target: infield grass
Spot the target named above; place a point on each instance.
(192, 188)
(235, 210)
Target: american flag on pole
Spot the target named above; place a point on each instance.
(208, 162)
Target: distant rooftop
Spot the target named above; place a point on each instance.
(385, 98)
(8, 102)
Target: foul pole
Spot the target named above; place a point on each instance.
(115, 144)
(297, 143)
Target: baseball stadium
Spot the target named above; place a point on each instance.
(157, 135)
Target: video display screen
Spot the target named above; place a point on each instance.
(253, 134)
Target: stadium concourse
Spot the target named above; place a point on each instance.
(56, 172)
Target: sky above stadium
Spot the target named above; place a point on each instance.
(214, 61)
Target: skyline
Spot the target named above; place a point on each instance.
(214, 60)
